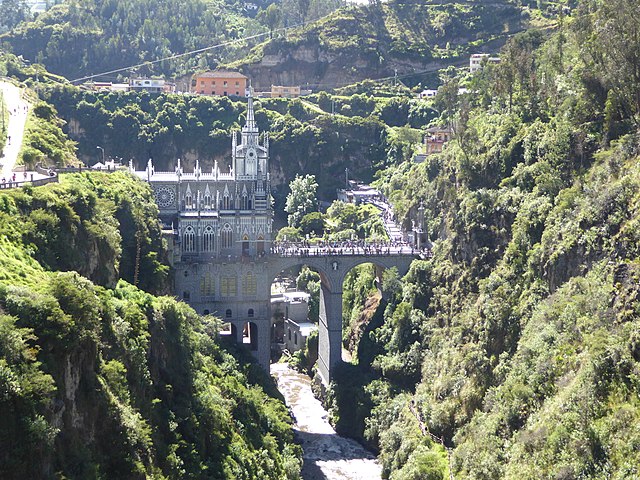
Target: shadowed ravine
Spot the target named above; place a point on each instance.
(327, 456)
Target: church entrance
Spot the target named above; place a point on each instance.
(245, 246)
(260, 246)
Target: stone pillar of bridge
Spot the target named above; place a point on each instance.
(329, 332)
(263, 355)
(239, 327)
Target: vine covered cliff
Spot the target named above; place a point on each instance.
(98, 377)
(513, 352)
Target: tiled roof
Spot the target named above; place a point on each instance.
(220, 74)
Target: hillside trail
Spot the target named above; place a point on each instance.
(18, 111)
(327, 456)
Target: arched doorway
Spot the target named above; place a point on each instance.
(245, 246)
(260, 246)
(250, 336)
(229, 332)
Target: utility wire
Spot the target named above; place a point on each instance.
(199, 50)
(238, 40)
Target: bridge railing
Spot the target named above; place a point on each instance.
(305, 249)
(26, 180)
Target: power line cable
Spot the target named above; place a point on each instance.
(199, 50)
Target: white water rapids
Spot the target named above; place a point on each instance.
(327, 456)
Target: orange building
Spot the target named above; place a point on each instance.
(219, 82)
(278, 91)
(436, 138)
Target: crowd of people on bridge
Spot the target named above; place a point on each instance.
(350, 247)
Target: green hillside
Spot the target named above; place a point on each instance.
(100, 379)
(370, 42)
(517, 344)
(80, 37)
(304, 136)
(513, 353)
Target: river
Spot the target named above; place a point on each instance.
(327, 456)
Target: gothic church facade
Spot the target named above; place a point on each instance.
(219, 227)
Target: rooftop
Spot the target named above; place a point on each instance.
(220, 74)
(439, 129)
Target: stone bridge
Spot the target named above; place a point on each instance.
(333, 266)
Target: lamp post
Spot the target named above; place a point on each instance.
(102, 149)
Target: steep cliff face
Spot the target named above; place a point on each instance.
(369, 42)
(111, 381)
(166, 128)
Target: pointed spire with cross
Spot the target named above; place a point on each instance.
(250, 125)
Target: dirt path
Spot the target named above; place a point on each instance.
(327, 456)
(18, 110)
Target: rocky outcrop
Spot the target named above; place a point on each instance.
(376, 42)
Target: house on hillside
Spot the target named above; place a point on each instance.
(278, 91)
(297, 333)
(358, 193)
(291, 325)
(477, 59)
(99, 86)
(219, 82)
(151, 85)
(435, 139)
(428, 93)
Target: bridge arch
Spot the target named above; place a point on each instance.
(333, 270)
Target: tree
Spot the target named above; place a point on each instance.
(303, 8)
(343, 216)
(312, 223)
(12, 12)
(515, 75)
(309, 281)
(446, 101)
(610, 35)
(320, 8)
(288, 234)
(271, 18)
(302, 199)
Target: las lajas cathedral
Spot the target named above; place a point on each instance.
(219, 226)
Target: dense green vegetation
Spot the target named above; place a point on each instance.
(370, 41)
(513, 353)
(100, 379)
(304, 138)
(80, 37)
(518, 342)
(341, 221)
(44, 141)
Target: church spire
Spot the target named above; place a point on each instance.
(250, 125)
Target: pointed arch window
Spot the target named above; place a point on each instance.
(188, 200)
(208, 239)
(250, 284)
(207, 285)
(207, 200)
(226, 201)
(228, 286)
(244, 201)
(226, 236)
(189, 240)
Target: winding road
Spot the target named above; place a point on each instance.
(18, 110)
